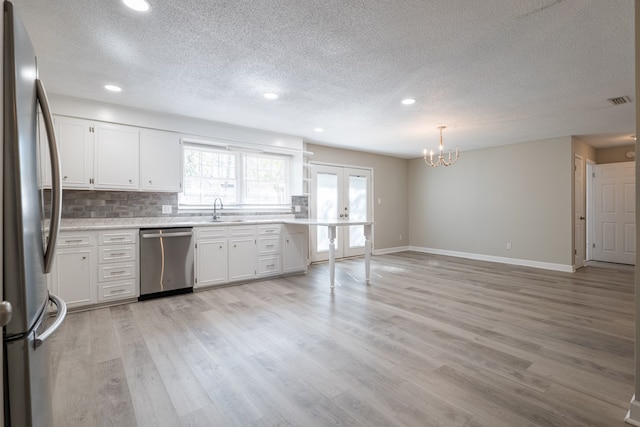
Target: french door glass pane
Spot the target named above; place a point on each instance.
(327, 206)
(357, 209)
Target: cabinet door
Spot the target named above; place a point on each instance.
(295, 252)
(242, 258)
(117, 154)
(211, 263)
(74, 275)
(160, 161)
(76, 151)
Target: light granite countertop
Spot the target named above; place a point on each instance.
(83, 224)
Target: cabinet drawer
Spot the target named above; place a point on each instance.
(116, 253)
(112, 291)
(269, 265)
(74, 239)
(269, 229)
(117, 237)
(247, 230)
(269, 245)
(108, 272)
(211, 233)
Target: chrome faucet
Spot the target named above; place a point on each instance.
(215, 209)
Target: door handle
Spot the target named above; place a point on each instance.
(56, 182)
(582, 218)
(5, 312)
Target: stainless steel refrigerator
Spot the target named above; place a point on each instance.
(28, 237)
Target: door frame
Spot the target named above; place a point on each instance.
(579, 212)
(590, 200)
(340, 250)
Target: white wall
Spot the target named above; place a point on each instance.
(519, 194)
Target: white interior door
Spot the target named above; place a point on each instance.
(339, 193)
(615, 213)
(579, 212)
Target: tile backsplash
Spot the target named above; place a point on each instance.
(131, 204)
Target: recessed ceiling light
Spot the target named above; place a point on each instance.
(137, 5)
(408, 101)
(270, 95)
(113, 88)
(318, 130)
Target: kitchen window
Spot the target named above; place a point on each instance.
(242, 177)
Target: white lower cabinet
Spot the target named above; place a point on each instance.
(242, 253)
(74, 272)
(226, 254)
(92, 267)
(296, 248)
(212, 257)
(117, 265)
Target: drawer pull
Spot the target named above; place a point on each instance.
(117, 254)
(114, 273)
(271, 266)
(271, 246)
(114, 239)
(73, 241)
(118, 291)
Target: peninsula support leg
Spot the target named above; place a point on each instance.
(332, 255)
(367, 252)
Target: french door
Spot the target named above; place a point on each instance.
(339, 193)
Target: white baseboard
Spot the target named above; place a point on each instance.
(390, 250)
(504, 260)
(633, 416)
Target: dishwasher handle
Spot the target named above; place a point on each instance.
(158, 235)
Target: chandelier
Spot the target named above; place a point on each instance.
(441, 160)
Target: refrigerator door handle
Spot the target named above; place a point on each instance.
(62, 313)
(56, 183)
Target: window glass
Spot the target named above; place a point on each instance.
(238, 178)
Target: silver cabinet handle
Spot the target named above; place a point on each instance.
(6, 311)
(62, 313)
(56, 182)
(156, 235)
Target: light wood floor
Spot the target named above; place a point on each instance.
(433, 341)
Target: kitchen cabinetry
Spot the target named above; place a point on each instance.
(242, 253)
(211, 256)
(98, 155)
(117, 266)
(76, 151)
(296, 248)
(92, 267)
(226, 254)
(160, 161)
(117, 161)
(74, 272)
(268, 241)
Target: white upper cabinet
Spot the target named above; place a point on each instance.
(160, 161)
(117, 157)
(97, 155)
(76, 152)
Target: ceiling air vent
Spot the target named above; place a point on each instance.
(620, 100)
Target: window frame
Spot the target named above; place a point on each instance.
(240, 153)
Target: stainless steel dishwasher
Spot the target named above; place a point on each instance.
(166, 261)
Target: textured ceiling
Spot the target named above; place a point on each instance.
(493, 71)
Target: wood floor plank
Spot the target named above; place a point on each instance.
(432, 341)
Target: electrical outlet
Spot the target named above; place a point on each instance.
(509, 246)
(166, 209)
(297, 208)
(401, 237)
